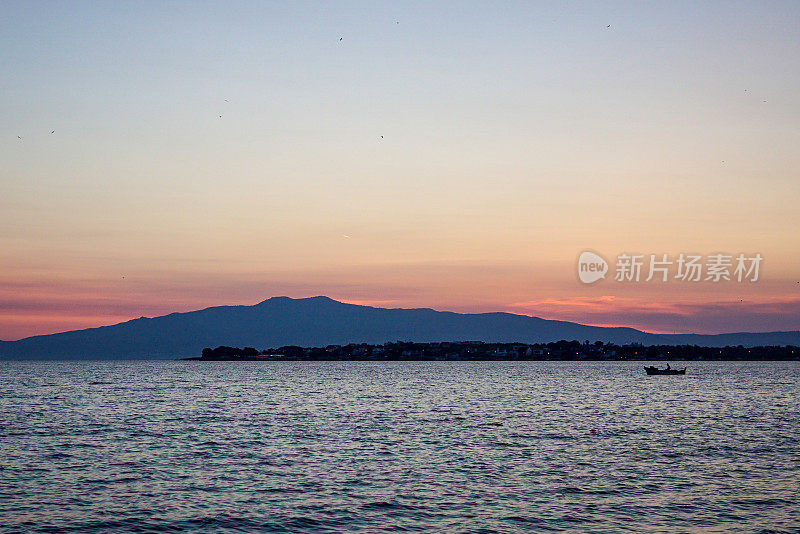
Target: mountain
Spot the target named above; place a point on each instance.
(320, 321)
(746, 339)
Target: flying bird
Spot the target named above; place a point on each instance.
(340, 38)
(52, 131)
(608, 26)
(18, 137)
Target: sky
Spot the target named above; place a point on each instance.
(168, 156)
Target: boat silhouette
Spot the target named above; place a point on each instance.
(652, 370)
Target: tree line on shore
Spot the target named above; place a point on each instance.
(477, 350)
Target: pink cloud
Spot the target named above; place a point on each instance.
(723, 315)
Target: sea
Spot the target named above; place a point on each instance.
(379, 447)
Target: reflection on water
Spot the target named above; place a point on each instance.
(398, 446)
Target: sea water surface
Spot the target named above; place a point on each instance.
(451, 447)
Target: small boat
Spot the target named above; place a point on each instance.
(652, 370)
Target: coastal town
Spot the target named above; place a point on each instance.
(477, 350)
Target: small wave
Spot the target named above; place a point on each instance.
(386, 505)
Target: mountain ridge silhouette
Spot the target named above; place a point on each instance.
(321, 321)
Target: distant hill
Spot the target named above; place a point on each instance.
(320, 321)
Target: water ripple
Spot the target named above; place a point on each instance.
(451, 447)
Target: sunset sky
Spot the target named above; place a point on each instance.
(452, 155)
